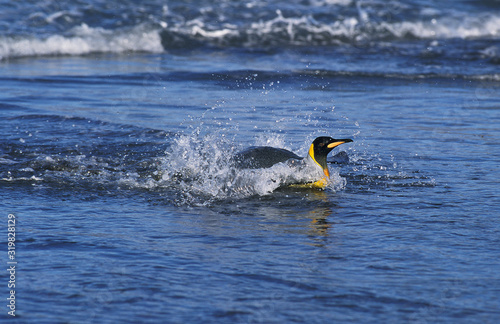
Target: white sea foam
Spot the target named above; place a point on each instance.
(450, 27)
(280, 30)
(83, 40)
(307, 30)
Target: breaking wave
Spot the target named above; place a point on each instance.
(308, 31)
(352, 23)
(83, 40)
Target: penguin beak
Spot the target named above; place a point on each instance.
(337, 142)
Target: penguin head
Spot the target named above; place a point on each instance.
(320, 148)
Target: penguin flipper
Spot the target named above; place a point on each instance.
(257, 157)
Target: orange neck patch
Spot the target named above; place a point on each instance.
(311, 154)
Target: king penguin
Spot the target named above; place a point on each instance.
(314, 165)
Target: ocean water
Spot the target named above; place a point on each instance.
(118, 122)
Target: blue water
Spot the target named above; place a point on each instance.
(118, 122)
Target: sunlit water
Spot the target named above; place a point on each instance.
(116, 162)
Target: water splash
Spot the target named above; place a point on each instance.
(201, 168)
(187, 169)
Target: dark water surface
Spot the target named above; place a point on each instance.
(118, 122)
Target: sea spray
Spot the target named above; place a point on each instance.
(202, 167)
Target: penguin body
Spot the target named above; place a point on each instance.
(310, 171)
(261, 157)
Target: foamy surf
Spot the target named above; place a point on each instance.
(365, 26)
(307, 30)
(83, 40)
